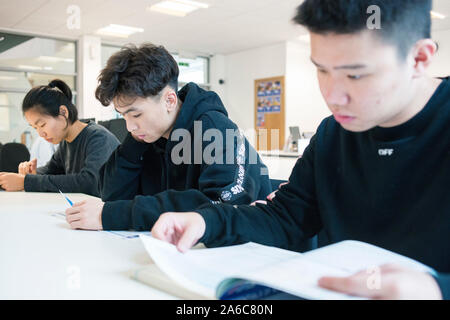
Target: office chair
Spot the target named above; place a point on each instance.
(11, 155)
(87, 120)
(116, 126)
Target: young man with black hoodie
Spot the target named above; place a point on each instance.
(377, 171)
(182, 150)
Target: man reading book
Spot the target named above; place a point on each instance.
(182, 150)
(376, 171)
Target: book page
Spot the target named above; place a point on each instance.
(355, 256)
(201, 270)
(154, 277)
(299, 277)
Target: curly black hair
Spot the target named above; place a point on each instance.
(133, 72)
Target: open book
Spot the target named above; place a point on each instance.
(253, 271)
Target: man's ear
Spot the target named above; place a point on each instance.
(423, 54)
(171, 100)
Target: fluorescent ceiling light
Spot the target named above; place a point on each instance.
(179, 8)
(116, 30)
(193, 3)
(26, 67)
(7, 78)
(437, 15)
(55, 59)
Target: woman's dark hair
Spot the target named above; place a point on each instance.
(136, 72)
(403, 22)
(47, 100)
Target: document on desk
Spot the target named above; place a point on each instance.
(254, 271)
(119, 234)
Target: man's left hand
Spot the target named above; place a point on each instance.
(86, 214)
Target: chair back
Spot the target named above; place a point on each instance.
(11, 155)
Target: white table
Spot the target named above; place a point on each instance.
(41, 257)
(280, 165)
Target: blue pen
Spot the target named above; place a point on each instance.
(68, 200)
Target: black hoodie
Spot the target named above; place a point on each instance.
(141, 181)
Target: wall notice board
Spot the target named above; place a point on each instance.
(270, 113)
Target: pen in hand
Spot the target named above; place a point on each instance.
(65, 197)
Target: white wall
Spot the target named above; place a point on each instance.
(241, 70)
(217, 71)
(305, 106)
(89, 66)
(441, 65)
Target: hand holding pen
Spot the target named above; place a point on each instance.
(86, 214)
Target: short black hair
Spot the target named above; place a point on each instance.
(134, 72)
(403, 22)
(48, 99)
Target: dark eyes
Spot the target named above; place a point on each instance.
(351, 77)
(137, 115)
(41, 126)
(355, 77)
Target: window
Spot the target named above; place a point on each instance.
(26, 62)
(192, 70)
(195, 69)
(108, 51)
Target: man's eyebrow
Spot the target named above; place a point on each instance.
(349, 66)
(129, 110)
(37, 121)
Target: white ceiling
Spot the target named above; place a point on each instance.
(227, 26)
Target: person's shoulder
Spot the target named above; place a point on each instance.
(445, 85)
(216, 119)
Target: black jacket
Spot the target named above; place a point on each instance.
(387, 186)
(140, 181)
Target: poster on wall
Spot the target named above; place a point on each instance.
(270, 112)
(269, 96)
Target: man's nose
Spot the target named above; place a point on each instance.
(335, 94)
